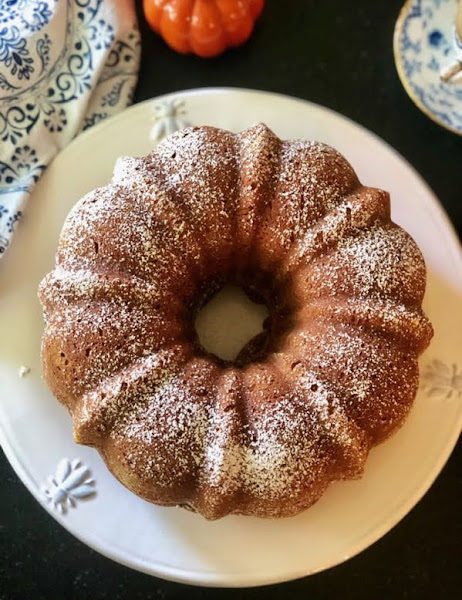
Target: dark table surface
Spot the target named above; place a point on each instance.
(338, 54)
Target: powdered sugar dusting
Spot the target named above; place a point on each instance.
(292, 439)
(118, 349)
(99, 409)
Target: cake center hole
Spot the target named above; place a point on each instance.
(228, 321)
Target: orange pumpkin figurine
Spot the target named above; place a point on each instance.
(203, 27)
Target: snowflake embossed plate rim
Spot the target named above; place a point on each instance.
(72, 483)
(426, 48)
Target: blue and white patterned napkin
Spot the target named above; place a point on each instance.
(64, 66)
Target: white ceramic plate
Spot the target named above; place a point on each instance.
(170, 542)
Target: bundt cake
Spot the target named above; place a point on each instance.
(335, 372)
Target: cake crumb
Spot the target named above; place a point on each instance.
(23, 371)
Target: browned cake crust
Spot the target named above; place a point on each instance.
(336, 372)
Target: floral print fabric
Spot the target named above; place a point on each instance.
(64, 66)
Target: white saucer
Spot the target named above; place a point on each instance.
(427, 50)
(170, 542)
